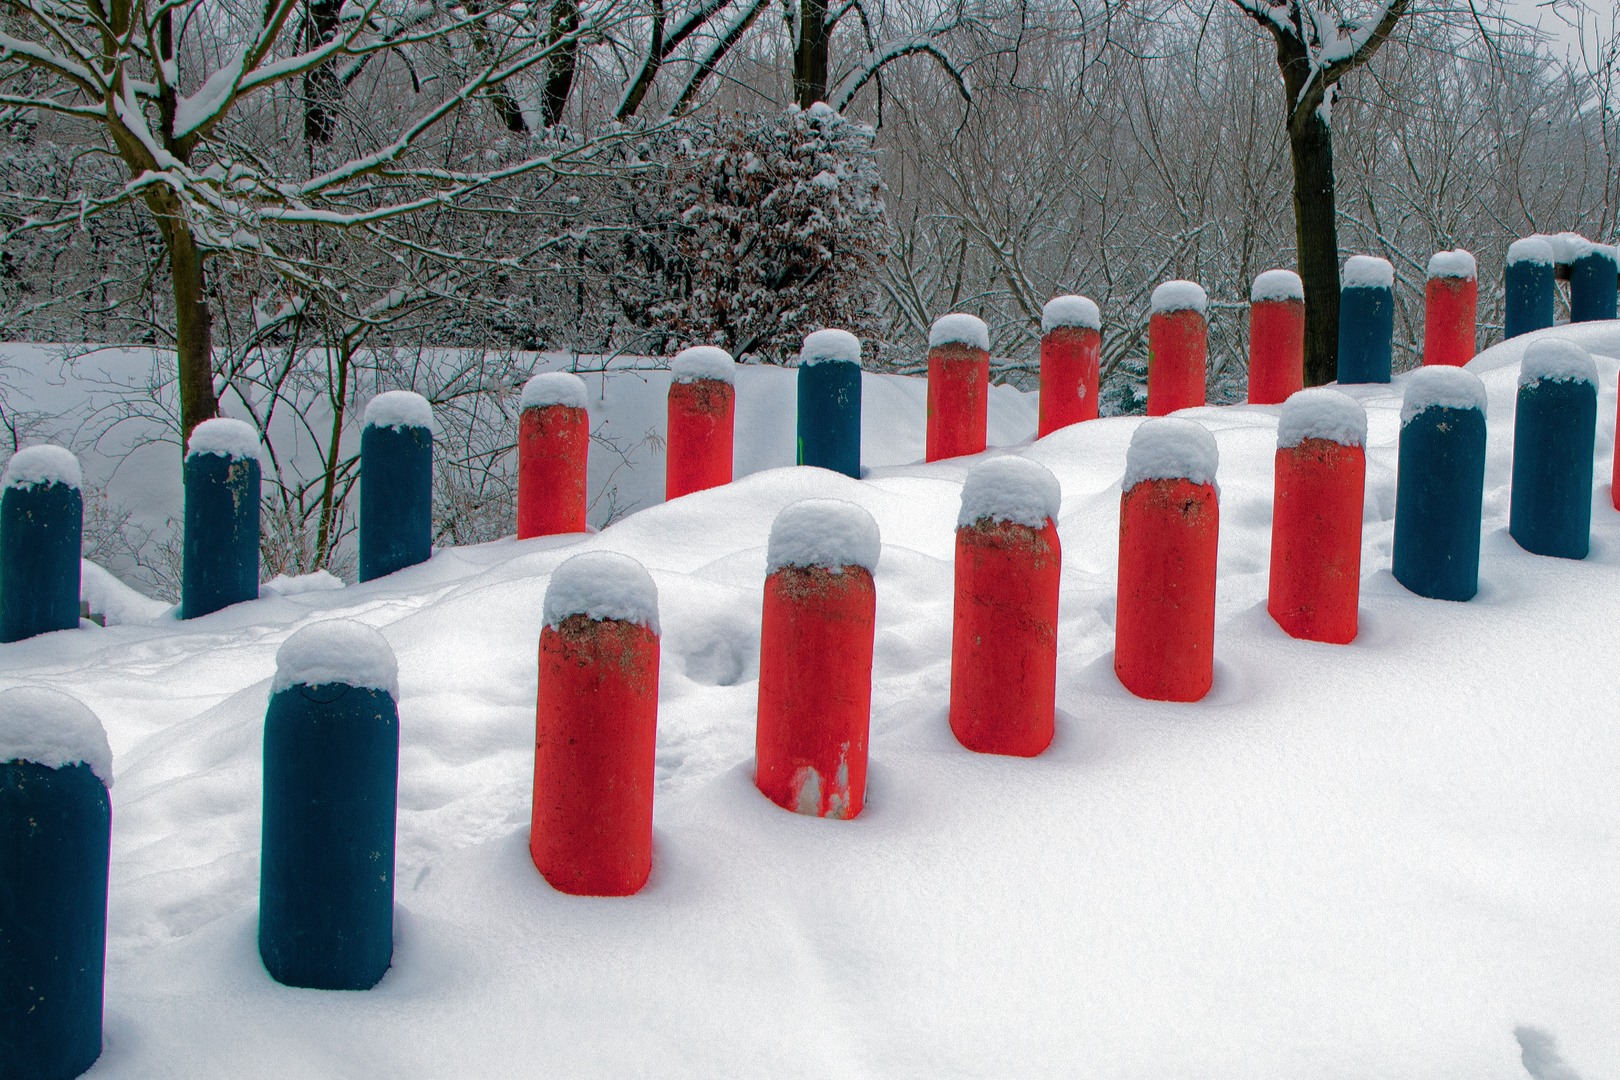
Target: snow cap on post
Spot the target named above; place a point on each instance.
(1078, 311)
(1532, 249)
(1367, 272)
(830, 533)
(1180, 296)
(45, 463)
(822, 345)
(1010, 488)
(337, 651)
(1277, 285)
(959, 329)
(53, 729)
(1556, 360)
(602, 585)
(226, 437)
(1444, 387)
(703, 362)
(1320, 413)
(1170, 448)
(399, 409)
(1453, 264)
(553, 388)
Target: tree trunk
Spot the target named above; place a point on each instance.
(194, 329)
(560, 80)
(1316, 234)
(321, 90)
(810, 54)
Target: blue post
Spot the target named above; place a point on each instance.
(1527, 282)
(830, 402)
(1440, 485)
(1593, 280)
(1366, 320)
(220, 555)
(55, 831)
(331, 769)
(396, 484)
(1554, 431)
(41, 523)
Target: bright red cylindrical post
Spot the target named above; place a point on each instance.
(1451, 302)
(554, 441)
(702, 407)
(958, 386)
(1614, 488)
(1071, 343)
(1276, 337)
(1178, 348)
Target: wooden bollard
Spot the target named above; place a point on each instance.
(1593, 280)
(41, 527)
(1554, 431)
(554, 443)
(1450, 308)
(1528, 287)
(829, 382)
(396, 483)
(1169, 526)
(702, 415)
(1071, 347)
(958, 386)
(1366, 320)
(1440, 483)
(1004, 630)
(220, 550)
(331, 776)
(1178, 347)
(1276, 337)
(815, 658)
(55, 834)
(596, 727)
(1321, 472)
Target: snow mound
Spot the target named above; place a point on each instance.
(1367, 272)
(42, 464)
(226, 437)
(1532, 249)
(1013, 489)
(554, 388)
(399, 409)
(319, 581)
(1277, 285)
(52, 729)
(1079, 311)
(1453, 264)
(1179, 296)
(337, 651)
(1442, 387)
(1320, 413)
(959, 328)
(1170, 448)
(602, 585)
(823, 345)
(115, 602)
(823, 532)
(1556, 360)
(703, 362)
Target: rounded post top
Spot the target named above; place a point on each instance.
(1080, 311)
(959, 329)
(554, 388)
(44, 463)
(824, 345)
(602, 585)
(830, 533)
(703, 362)
(53, 729)
(1170, 448)
(337, 651)
(1367, 272)
(1556, 359)
(224, 437)
(399, 409)
(1444, 387)
(1179, 296)
(1010, 488)
(1277, 285)
(1320, 413)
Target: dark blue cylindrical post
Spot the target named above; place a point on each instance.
(1440, 486)
(41, 524)
(1527, 282)
(1366, 319)
(396, 483)
(220, 555)
(1555, 428)
(830, 402)
(331, 769)
(55, 831)
(1593, 281)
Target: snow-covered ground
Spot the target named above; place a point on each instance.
(1373, 860)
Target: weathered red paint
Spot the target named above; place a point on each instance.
(1178, 352)
(1164, 623)
(1069, 356)
(958, 400)
(699, 436)
(1450, 307)
(1614, 487)
(1276, 350)
(553, 447)
(1316, 540)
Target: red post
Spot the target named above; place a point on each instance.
(554, 442)
(1071, 341)
(1321, 473)
(702, 405)
(1004, 632)
(1276, 337)
(1169, 523)
(1614, 487)
(815, 658)
(1178, 347)
(958, 386)
(596, 725)
(1451, 301)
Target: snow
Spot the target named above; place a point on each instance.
(225, 437)
(115, 602)
(337, 651)
(1320, 413)
(1168, 448)
(42, 464)
(51, 728)
(1179, 296)
(1367, 272)
(703, 362)
(1078, 311)
(602, 585)
(399, 409)
(1532, 249)
(1443, 387)
(823, 532)
(1453, 264)
(1277, 285)
(822, 345)
(554, 388)
(294, 584)
(1556, 360)
(959, 329)
(1010, 488)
